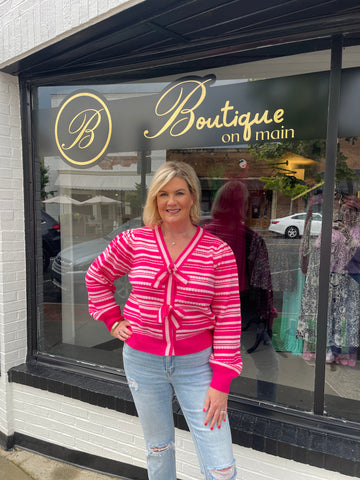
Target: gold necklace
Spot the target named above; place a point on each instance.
(172, 243)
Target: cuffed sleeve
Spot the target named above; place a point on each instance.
(226, 358)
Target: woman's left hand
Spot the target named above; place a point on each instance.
(216, 407)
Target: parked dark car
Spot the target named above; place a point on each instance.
(70, 265)
(50, 230)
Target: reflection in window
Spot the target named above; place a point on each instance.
(270, 257)
(342, 374)
(274, 230)
(94, 205)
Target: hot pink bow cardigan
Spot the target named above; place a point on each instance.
(174, 308)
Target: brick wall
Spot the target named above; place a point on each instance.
(28, 25)
(80, 426)
(12, 244)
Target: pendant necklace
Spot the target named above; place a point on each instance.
(172, 243)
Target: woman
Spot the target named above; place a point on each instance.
(181, 324)
(229, 212)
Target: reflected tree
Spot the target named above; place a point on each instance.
(284, 179)
(44, 181)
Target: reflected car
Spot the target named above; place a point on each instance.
(51, 240)
(71, 264)
(292, 226)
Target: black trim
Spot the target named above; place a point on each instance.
(327, 223)
(306, 438)
(180, 63)
(81, 459)
(7, 442)
(29, 209)
(86, 388)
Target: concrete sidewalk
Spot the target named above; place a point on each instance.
(19, 464)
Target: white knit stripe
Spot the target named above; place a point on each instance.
(169, 345)
(200, 288)
(231, 367)
(163, 249)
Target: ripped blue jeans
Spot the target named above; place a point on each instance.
(153, 380)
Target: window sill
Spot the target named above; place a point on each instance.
(305, 438)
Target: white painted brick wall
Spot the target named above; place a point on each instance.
(13, 337)
(100, 431)
(26, 26)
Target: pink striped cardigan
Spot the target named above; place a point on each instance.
(174, 308)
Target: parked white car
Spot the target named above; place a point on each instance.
(292, 226)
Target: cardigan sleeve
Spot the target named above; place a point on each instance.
(113, 263)
(226, 358)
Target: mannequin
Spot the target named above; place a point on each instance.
(344, 290)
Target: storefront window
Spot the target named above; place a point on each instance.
(343, 326)
(258, 148)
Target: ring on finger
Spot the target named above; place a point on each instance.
(223, 411)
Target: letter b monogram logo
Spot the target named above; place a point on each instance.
(83, 129)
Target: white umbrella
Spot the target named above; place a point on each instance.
(63, 200)
(100, 199)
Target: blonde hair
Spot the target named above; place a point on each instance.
(163, 175)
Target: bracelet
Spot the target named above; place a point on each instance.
(116, 324)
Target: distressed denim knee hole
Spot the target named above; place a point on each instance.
(133, 385)
(158, 450)
(228, 473)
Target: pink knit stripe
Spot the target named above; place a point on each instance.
(203, 283)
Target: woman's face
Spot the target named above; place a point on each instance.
(174, 202)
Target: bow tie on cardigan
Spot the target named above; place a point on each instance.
(164, 274)
(175, 314)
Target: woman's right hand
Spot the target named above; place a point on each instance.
(123, 331)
